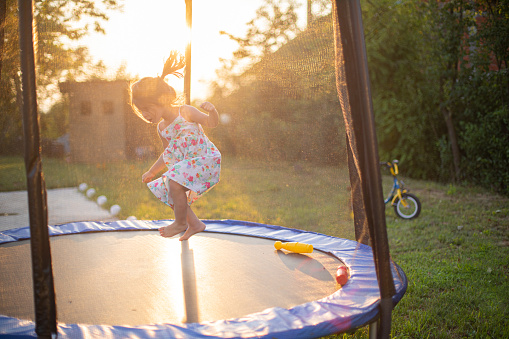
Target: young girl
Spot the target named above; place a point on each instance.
(192, 161)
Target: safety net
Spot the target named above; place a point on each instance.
(294, 141)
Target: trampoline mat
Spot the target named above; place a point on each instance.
(138, 277)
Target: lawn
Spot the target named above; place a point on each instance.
(455, 254)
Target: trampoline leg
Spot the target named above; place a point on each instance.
(373, 330)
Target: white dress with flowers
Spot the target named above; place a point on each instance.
(192, 161)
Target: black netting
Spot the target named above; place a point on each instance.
(286, 81)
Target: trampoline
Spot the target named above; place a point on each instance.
(120, 279)
(226, 282)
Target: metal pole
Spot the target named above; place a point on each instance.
(355, 96)
(42, 272)
(187, 73)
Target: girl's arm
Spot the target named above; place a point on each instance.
(158, 166)
(192, 114)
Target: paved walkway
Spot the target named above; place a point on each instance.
(64, 205)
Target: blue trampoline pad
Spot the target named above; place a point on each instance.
(121, 279)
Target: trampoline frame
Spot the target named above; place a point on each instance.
(350, 307)
(353, 86)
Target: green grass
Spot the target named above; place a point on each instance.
(455, 254)
(456, 257)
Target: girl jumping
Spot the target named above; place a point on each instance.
(192, 161)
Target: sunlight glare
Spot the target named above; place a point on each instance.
(143, 35)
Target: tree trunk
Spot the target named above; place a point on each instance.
(451, 132)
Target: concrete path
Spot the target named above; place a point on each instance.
(64, 205)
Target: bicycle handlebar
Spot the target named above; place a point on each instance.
(393, 166)
(386, 164)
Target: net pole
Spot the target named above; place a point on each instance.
(42, 272)
(187, 73)
(354, 92)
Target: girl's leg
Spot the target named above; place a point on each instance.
(195, 225)
(180, 207)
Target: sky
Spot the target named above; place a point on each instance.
(144, 33)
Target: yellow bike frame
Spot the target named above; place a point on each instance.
(399, 191)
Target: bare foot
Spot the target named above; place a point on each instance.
(193, 229)
(171, 230)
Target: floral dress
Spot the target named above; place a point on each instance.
(192, 161)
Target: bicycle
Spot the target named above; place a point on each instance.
(406, 205)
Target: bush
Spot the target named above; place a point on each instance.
(485, 143)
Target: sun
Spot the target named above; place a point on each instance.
(142, 36)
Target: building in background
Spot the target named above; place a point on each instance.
(102, 125)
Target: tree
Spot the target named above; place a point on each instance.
(317, 8)
(58, 24)
(441, 87)
(450, 23)
(470, 48)
(493, 31)
(274, 25)
(282, 100)
(483, 98)
(407, 121)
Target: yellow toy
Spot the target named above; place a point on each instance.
(297, 247)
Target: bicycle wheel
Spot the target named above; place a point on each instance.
(412, 209)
